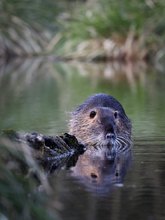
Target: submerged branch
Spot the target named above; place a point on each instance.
(52, 152)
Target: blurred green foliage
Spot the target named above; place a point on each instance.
(38, 12)
(31, 27)
(26, 26)
(108, 17)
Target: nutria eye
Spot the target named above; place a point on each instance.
(92, 114)
(115, 114)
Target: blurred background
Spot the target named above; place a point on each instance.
(54, 54)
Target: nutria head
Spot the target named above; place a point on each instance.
(101, 121)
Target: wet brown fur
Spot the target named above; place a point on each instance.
(92, 131)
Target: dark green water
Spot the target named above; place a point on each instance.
(38, 96)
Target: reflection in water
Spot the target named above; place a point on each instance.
(116, 73)
(141, 196)
(51, 90)
(99, 174)
(32, 98)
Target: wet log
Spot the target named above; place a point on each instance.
(51, 152)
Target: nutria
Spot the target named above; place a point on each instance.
(103, 126)
(101, 122)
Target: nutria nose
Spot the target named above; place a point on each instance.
(110, 136)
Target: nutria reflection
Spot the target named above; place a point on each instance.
(100, 175)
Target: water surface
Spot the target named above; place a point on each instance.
(38, 95)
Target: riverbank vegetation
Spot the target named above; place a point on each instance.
(27, 27)
(116, 30)
(24, 189)
(91, 30)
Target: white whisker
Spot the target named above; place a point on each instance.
(122, 144)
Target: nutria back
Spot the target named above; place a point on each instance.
(101, 122)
